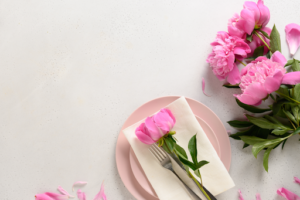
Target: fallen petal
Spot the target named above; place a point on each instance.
(240, 195)
(51, 196)
(81, 195)
(203, 87)
(61, 190)
(292, 32)
(78, 184)
(101, 195)
(258, 197)
(287, 194)
(297, 180)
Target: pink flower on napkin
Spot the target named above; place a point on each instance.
(253, 16)
(292, 32)
(51, 196)
(261, 77)
(287, 194)
(155, 127)
(222, 59)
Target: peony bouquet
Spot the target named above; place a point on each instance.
(266, 74)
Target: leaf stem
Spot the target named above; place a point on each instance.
(255, 32)
(287, 97)
(290, 121)
(241, 62)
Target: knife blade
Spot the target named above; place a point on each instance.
(176, 159)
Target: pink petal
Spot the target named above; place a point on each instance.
(279, 58)
(248, 99)
(240, 195)
(203, 87)
(164, 120)
(154, 132)
(61, 190)
(78, 184)
(248, 21)
(144, 138)
(234, 76)
(253, 94)
(292, 32)
(81, 195)
(287, 194)
(51, 196)
(101, 195)
(252, 6)
(291, 78)
(264, 13)
(273, 83)
(297, 180)
(258, 197)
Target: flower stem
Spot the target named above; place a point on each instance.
(241, 62)
(255, 32)
(201, 187)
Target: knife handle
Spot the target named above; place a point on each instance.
(187, 187)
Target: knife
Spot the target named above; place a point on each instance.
(176, 159)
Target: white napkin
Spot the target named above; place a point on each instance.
(166, 185)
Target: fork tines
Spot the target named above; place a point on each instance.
(157, 152)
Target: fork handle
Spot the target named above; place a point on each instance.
(187, 187)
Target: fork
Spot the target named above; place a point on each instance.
(165, 162)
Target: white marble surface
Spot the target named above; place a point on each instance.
(72, 71)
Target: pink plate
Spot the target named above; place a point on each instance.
(138, 171)
(123, 147)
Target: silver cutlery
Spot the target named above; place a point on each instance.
(165, 162)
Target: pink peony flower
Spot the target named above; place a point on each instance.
(233, 27)
(51, 196)
(256, 42)
(261, 77)
(253, 16)
(155, 127)
(222, 59)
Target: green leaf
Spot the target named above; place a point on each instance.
(201, 164)
(268, 55)
(295, 65)
(295, 111)
(193, 148)
(259, 51)
(279, 131)
(253, 131)
(268, 143)
(284, 143)
(179, 150)
(262, 122)
(251, 108)
(290, 62)
(266, 158)
(239, 124)
(289, 115)
(297, 131)
(275, 43)
(231, 86)
(249, 38)
(296, 95)
(264, 33)
(187, 162)
(283, 92)
(245, 145)
(278, 105)
(274, 120)
(251, 140)
(170, 143)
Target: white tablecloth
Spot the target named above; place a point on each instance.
(72, 71)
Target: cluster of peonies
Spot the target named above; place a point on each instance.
(247, 32)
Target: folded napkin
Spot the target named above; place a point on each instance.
(166, 185)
